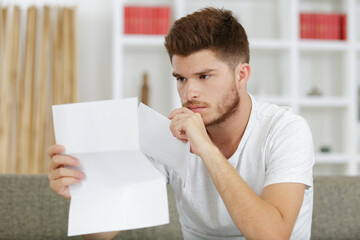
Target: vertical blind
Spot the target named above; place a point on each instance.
(38, 68)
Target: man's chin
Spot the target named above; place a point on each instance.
(209, 122)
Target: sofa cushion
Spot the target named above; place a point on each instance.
(336, 213)
(29, 209)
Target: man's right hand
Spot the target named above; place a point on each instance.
(59, 175)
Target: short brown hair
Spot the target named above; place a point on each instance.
(213, 29)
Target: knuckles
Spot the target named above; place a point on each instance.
(62, 181)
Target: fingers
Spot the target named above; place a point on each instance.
(63, 182)
(55, 149)
(61, 177)
(65, 173)
(176, 128)
(180, 124)
(178, 111)
(62, 159)
(61, 186)
(179, 132)
(58, 161)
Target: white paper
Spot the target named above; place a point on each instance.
(156, 140)
(101, 126)
(122, 189)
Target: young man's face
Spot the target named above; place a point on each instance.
(206, 85)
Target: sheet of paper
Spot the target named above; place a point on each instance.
(124, 192)
(122, 189)
(157, 141)
(100, 126)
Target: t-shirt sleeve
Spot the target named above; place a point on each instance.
(290, 154)
(161, 167)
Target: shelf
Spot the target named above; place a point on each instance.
(331, 158)
(143, 40)
(323, 45)
(269, 44)
(324, 102)
(284, 69)
(158, 40)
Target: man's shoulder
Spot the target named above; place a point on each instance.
(275, 116)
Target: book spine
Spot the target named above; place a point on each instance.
(343, 27)
(303, 26)
(129, 20)
(327, 26)
(336, 26)
(311, 33)
(157, 20)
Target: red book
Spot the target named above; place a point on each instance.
(154, 19)
(319, 26)
(336, 26)
(304, 25)
(142, 18)
(323, 26)
(128, 20)
(146, 20)
(158, 20)
(312, 26)
(327, 26)
(343, 27)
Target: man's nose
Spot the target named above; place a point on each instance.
(191, 90)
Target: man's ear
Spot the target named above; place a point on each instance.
(242, 74)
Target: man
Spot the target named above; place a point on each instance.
(250, 174)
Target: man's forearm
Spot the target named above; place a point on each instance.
(255, 218)
(101, 236)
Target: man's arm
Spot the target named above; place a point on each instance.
(101, 236)
(271, 216)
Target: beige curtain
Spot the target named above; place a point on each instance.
(37, 69)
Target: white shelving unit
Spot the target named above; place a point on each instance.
(284, 68)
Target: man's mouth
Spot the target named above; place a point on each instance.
(196, 109)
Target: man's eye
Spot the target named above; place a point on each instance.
(181, 79)
(204, 76)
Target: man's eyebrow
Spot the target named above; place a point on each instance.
(203, 72)
(176, 74)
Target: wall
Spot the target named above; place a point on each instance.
(95, 49)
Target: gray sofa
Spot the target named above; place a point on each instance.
(29, 209)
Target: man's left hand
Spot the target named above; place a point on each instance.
(189, 126)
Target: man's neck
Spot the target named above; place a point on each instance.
(227, 135)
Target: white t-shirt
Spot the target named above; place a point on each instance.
(276, 147)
